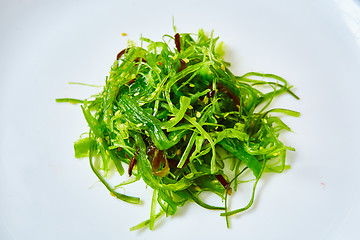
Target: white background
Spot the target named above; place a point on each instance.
(45, 193)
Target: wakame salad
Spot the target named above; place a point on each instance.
(173, 115)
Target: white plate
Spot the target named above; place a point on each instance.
(45, 193)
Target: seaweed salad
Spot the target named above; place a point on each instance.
(173, 115)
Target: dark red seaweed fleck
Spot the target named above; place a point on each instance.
(230, 94)
(222, 180)
(177, 42)
(173, 163)
(133, 162)
(182, 65)
(121, 53)
(130, 82)
(139, 59)
(211, 94)
(159, 157)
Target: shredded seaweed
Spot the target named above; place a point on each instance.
(174, 115)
